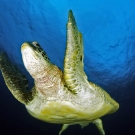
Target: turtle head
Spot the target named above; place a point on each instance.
(34, 58)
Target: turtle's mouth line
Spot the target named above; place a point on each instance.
(27, 45)
(28, 48)
(36, 51)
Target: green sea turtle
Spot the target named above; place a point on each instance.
(67, 97)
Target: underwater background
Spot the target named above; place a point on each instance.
(108, 28)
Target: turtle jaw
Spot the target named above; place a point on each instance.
(28, 49)
(34, 60)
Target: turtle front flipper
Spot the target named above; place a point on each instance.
(15, 80)
(74, 75)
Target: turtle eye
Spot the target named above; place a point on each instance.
(36, 44)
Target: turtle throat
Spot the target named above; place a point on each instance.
(50, 80)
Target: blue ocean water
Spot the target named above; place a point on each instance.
(108, 29)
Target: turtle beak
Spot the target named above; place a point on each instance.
(25, 45)
(28, 49)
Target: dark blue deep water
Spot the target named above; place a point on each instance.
(108, 28)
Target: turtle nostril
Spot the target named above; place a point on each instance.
(36, 44)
